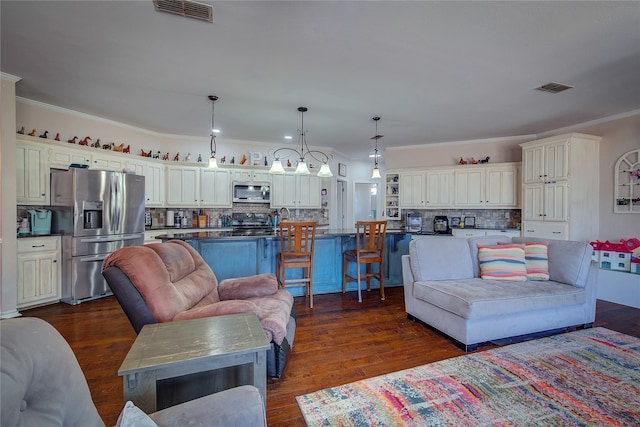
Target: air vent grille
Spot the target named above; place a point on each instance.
(186, 8)
(554, 87)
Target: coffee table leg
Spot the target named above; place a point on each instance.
(140, 388)
(260, 373)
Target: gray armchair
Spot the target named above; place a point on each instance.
(43, 385)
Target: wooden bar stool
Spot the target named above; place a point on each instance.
(296, 251)
(370, 239)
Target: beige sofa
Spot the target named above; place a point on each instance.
(443, 288)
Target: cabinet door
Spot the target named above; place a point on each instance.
(38, 277)
(439, 185)
(556, 161)
(308, 191)
(182, 186)
(61, 158)
(555, 202)
(215, 188)
(107, 162)
(545, 230)
(467, 232)
(32, 177)
(283, 191)
(469, 188)
(502, 187)
(412, 190)
(154, 184)
(533, 165)
(532, 202)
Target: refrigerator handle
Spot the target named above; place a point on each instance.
(112, 215)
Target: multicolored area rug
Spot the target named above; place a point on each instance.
(585, 378)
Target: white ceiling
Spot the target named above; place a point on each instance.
(434, 71)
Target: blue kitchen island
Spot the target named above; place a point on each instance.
(232, 255)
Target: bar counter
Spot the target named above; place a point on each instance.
(238, 254)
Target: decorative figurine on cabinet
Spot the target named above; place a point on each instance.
(32, 133)
(244, 159)
(187, 157)
(57, 138)
(96, 144)
(223, 160)
(45, 134)
(119, 148)
(485, 160)
(462, 161)
(233, 160)
(199, 158)
(265, 161)
(474, 161)
(85, 141)
(108, 146)
(143, 153)
(127, 149)
(21, 131)
(288, 163)
(73, 140)
(157, 155)
(176, 158)
(166, 156)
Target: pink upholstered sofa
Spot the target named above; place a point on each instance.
(171, 282)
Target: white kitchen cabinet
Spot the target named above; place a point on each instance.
(469, 188)
(487, 186)
(105, 161)
(32, 177)
(391, 196)
(250, 175)
(439, 186)
(412, 194)
(182, 185)
(61, 158)
(295, 191)
(39, 273)
(215, 188)
(154, 184)
(560, 187)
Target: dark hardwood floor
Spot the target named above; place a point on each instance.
(336, 342)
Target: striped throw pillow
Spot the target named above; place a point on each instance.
(537, 261)
(502, 262)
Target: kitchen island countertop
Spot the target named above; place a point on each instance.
(229, 234)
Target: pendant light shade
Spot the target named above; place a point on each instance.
(376, 169)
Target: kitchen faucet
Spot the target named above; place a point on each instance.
(286, 209)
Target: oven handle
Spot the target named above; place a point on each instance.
(91, 258)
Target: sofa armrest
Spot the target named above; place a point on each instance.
(259, 285)
(220, 308)
(241, 406)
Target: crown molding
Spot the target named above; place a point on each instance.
(10, 77)
(574, 128)
(515, 138)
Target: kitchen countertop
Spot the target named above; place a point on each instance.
(228, 234)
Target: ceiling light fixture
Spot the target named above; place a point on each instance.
(302, 169)
(376, 169)
(213, 163)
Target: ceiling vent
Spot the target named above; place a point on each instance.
(186, 8)
(554, 87)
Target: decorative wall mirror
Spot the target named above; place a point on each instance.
(627, 183)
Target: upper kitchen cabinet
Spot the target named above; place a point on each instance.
(439, 186)
(244, 175)
(153, 171)
(61, 158)
(295, 191)
(32, 179)
(182, 185)
(412, 194)
(215, 188)
(560, 187)
(487, 186)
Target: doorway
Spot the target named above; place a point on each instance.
(342, 205)
(365, 201)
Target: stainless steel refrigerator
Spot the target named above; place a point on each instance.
(96, 212)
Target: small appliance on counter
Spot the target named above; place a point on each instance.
(147, 219)
(413, 222)
(40, 220)
(170, 220)
(441, 225)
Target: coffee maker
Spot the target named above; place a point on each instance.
(441, 225)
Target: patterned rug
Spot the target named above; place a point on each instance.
(585, 378)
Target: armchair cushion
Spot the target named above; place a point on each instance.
(221, 308)
(132, 416)
(246, 287)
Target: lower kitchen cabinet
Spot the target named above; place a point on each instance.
(39, 273)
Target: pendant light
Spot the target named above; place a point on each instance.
(213, 163)
(376, 169)
(302, 169)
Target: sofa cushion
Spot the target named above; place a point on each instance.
(477, 298)
(502, 262)
(440, 259)
(569, 261)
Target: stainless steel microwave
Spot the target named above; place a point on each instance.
(251, 192)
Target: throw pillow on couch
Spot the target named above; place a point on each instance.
(505, 261)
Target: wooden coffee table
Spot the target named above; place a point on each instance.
(173, 362)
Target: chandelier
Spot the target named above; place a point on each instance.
(213, 163)
(376, 169)
(301, 169)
